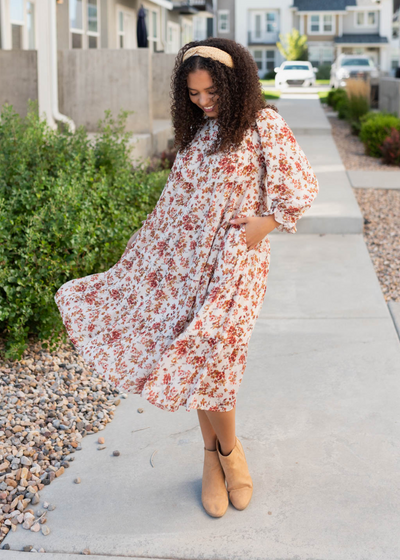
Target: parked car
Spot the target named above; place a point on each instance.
(297, 73)
(352, 66)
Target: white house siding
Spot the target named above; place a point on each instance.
(262, 51)
(349, 21)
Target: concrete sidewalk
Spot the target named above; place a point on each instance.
(317, 414)
(375, 179)
(335, 209)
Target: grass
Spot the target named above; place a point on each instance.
(323, 96)
(272, 94)
(323, 82)
(268, 82)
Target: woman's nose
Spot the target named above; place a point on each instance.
(205, 101)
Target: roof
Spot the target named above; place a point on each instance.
(322, 5)
(361, 38)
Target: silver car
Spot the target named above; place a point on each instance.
(352, 66)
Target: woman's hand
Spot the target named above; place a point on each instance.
(257, 227)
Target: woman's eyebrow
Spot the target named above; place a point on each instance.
(193, 89)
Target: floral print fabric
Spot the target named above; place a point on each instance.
(172, 319)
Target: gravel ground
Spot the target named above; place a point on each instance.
(380, 208)
(49, 402)
(381, 211)
(351, 149)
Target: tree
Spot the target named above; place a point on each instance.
(293, 46)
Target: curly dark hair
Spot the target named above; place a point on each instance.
(239, 90)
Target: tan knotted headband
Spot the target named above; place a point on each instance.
(209, 52)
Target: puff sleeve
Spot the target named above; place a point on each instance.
(289, 183)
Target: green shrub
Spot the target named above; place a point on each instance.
(342, 107)
(391, 148)
(375, 127)
(358, 107)
(68, 206)
(270, 75)
(324, 72)
(335, 96)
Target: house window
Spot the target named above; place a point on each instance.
(223, 21)
(314, 24)
(271, 22)
(84, 24)
(265, 60)
(152, 28)
(321, 24)
(257, 27)
(264, 26)
(22, 24)
(270, 60)
(328, 24)
(258, 57)
(30, 25)
(366, 19)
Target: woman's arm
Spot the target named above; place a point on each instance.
(290, 185)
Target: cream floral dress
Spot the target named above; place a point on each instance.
(172, 319)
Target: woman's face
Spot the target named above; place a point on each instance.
(202, 92)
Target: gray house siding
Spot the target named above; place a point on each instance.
(226, 5)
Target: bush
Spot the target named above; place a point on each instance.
(67, 209)
(335, 96)
(270, 75)
(375, 127)
(342, 107)
(358, 106)
(324, 72)
(391, 148)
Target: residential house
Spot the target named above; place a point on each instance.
(95, 24)
(258, 24)
(345, 26)
(332, 27)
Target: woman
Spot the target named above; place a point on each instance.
(171, 321)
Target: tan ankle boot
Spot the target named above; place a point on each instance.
(239, 483)
(214, 495)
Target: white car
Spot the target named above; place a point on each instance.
(296, 73)
(352, 66)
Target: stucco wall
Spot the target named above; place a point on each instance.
(162, 66)
(389, 95)
(91, 81)
(18, 82)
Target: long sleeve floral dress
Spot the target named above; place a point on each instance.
(172, 319)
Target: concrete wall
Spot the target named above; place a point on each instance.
(163, 65)
(18, 79)
(389, 95)
(91, 81)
